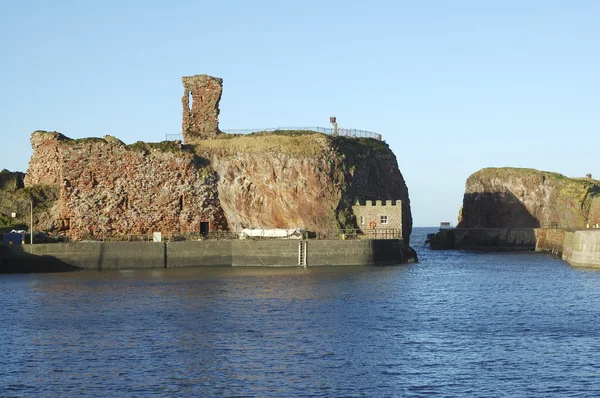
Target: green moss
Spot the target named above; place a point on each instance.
(87, 140)
(51, 134)
(345, 218)
(526, 172)
(163, 146)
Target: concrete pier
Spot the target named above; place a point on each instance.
(232, 253)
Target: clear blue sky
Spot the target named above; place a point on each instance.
(453, 86)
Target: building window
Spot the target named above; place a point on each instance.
(362, 220)
(383, 220)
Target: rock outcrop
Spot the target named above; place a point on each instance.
(272, 180)
(16, 201)
(201, 97)
(527, 198)
(11, 180)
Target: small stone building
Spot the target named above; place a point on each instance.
(379, 217)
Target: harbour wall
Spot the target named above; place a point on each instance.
(500, 239)
(577, 247)
(235, 253)
(582, 248)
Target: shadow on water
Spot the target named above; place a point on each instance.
(495, 210)
(391, 251)
(15, 260)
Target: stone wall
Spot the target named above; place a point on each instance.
(237, 253)
(199, 253)
(201, 97)
(93, 256)
(109, 189)
(550, 240)
(582, 248)
(494, 239)
(378, 212)
(579, 247)
(275, 253)
(45, 164)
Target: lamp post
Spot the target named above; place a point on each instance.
(31, 222)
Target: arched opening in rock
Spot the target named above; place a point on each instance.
(190, 100)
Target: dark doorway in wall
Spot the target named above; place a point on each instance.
(204, 228)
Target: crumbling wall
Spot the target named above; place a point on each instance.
(45, 163)
(200, 119)
(109, 189)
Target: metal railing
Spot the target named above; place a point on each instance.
(348, 234)
(351, 133)
(213, 235)
(384, 233)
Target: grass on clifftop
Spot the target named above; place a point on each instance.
(295, 143)
(503, 172)
(163, 146)
(290, 142)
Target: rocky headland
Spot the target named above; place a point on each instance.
(94, 188)
(525, 209)
(527, 198)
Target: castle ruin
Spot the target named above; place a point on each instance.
(201, 97)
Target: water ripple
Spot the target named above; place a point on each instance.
(456, 324)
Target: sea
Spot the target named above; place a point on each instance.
(456, 324)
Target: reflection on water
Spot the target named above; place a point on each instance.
(456, 324)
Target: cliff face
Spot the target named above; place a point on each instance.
(303, 180)
(527, 198)
(307, 181)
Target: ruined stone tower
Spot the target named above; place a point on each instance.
(201, 97)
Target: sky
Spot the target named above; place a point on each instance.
(453, 86)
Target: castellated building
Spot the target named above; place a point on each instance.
(376, 217)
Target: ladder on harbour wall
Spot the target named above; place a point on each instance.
(302, 252)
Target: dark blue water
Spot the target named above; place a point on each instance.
(456, 324)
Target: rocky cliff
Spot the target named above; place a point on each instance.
(270, 180)
(16, 200)
(527, 198)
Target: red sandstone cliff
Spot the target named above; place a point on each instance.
(306, 181)
(512, 197)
